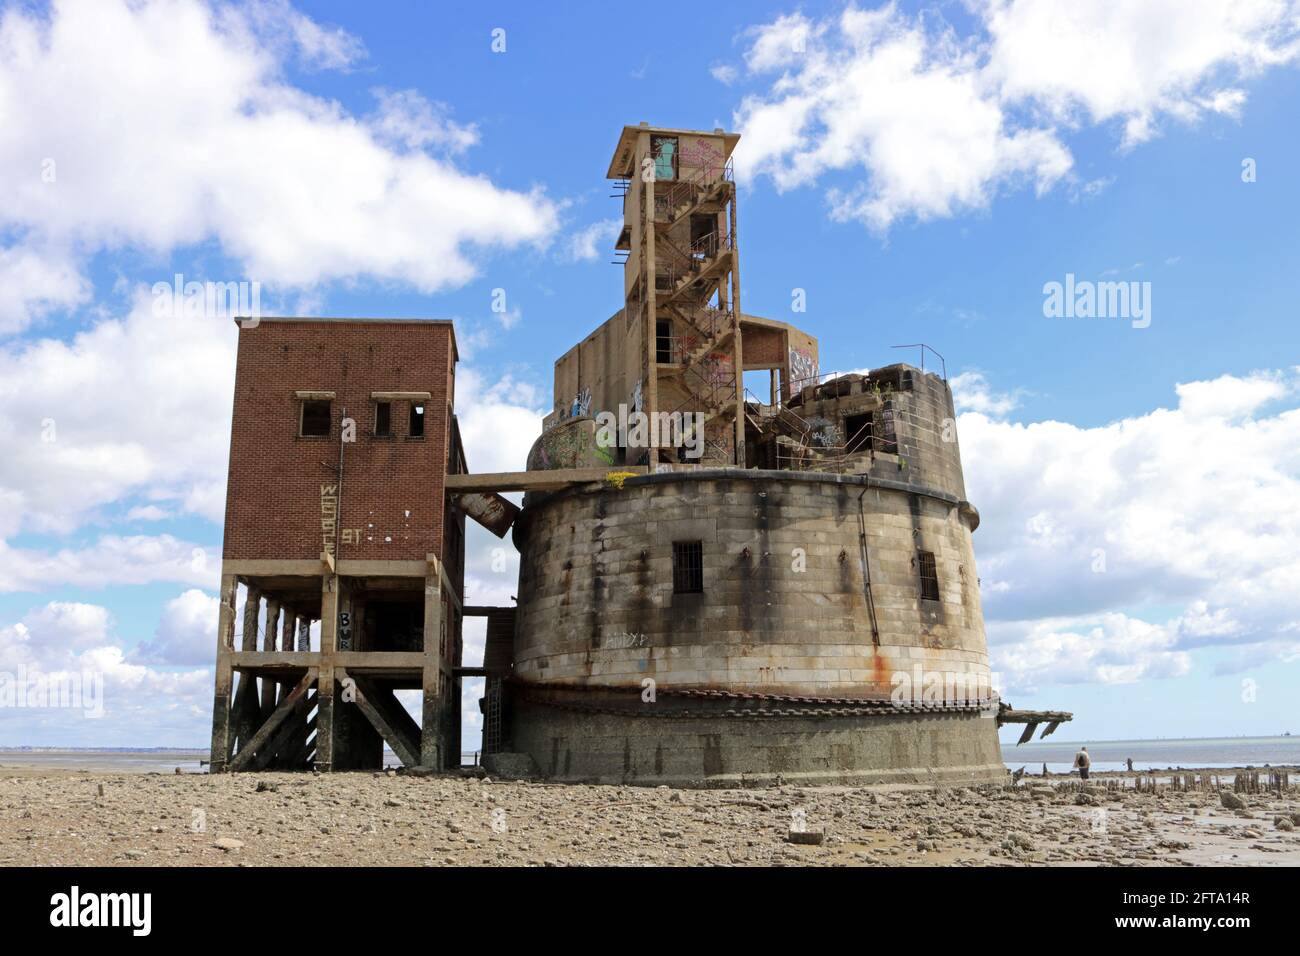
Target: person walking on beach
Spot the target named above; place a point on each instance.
(1130, 764)
(1083, 762)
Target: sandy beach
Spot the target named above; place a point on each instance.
(52, 817)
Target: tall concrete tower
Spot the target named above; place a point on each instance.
(681, 280)
(800, 601)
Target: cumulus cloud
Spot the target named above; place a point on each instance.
(934, 123)
(36, 284)
(74, 646)
(290, 186)
(593, 241)
(1088, 534)
(1109, 648)
(971, 392)
(108, 561)
(406, 118)
(186, 633)
(1135, 62)
(133, 405)
(499, 419)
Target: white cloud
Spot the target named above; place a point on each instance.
(938, 124)
(36, 284)
(315, 45)
(133, 405)
(724, 73)
(147, 513)
(499, 420)
(590, 242)
(108, 561)
(1109, 648)
(290, 186)
(881, 93)
(407, 119)
(76, 642)
(971, 392)
(1088, 532)
(1134, 62)
(186, 633)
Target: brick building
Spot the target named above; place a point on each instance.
(342, 434)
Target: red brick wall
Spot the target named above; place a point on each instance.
(763, 346)
(392, 488)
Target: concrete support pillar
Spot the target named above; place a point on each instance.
(288, 617)
(329, 620)
(252, 610)
(268, 644)
(735, 321)
(288, 629)
(245, 712)
(431, 712)
(225, 674)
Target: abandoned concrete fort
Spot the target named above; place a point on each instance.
(716, 588)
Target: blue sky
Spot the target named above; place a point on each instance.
(921, 171)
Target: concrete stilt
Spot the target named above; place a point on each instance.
(225, 673)
(329, 620)
(431, 712)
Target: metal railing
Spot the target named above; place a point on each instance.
(685, 188)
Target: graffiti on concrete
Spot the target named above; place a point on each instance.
(581, 403)
(803, 369)
(718, 369)
(702, 154)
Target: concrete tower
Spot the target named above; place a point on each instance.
(794, 597)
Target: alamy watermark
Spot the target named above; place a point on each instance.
(634, 429)
(922, 687)
(65, 690)
(1085, 299)
(198, 300)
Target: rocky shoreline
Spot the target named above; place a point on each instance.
(72, 818)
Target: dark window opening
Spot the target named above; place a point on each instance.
(857, 432)
(315, 419)
(929, 576)
(384, 419)
(663, 340)
(704, 240)
(417, 421)
(688, 567)
(396, 624)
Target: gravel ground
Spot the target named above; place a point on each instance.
(65, 818)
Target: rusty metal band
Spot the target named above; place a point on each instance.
(566, 698)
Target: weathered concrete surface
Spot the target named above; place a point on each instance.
(931, 749)
(784, 608)
(511, 766)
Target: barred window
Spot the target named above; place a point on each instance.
(929, 576)
(688, 567)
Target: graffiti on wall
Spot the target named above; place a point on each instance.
(702, 154)
(329, 511)
(581, 403)
(803, 369)
(330, 532)
(718, 369)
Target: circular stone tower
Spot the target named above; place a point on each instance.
(816, 622)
